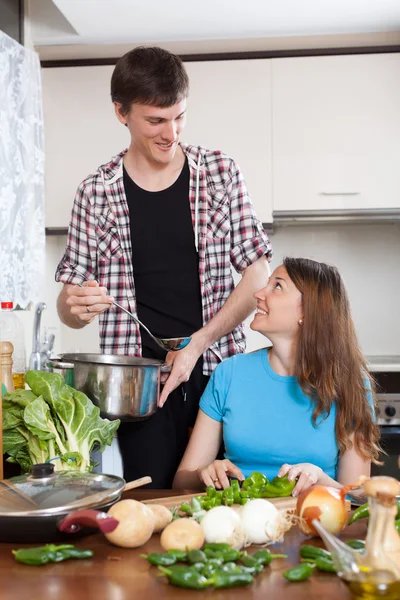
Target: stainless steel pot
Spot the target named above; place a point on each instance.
(123, 387)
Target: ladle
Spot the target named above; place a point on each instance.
(168, 344)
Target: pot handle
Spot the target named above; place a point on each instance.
(56, 363)
(166, 368)
(74, 522)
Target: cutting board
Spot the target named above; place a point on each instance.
(172, 501)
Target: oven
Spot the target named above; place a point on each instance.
(386, 372)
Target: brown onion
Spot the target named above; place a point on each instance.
(327, 505)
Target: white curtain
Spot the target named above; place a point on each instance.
(22, 233)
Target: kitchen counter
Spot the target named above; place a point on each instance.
(120, 574)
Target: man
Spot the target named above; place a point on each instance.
(157, 229)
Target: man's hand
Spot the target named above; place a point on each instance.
(183, 363)
(86, 302)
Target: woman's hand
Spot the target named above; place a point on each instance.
(307, 473)
(217, 473)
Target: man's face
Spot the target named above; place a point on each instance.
(155, 131)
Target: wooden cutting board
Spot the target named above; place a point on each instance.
(172, 501)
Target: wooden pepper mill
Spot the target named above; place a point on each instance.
(6, 351)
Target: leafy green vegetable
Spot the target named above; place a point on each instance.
(53, 421)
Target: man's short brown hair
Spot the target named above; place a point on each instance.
(150, 76)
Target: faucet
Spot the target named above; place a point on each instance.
(40, 352)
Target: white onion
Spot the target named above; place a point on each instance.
(223, 525)
(263, 523)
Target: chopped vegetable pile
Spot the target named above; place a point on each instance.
(217, 565)
(255, 486)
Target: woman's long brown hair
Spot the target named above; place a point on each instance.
(330, 366)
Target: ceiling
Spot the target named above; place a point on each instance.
(56, 22)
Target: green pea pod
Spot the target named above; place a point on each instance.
(222, 579)
(230, 555)
(31, 556)
(360, 513)
(160, 559)
(313, 552)
(185, 577)
(323, 564)
(217, 546)
(252, 563)
(264, 556)
(228, 566)
(50, 553)
(356, 544)
(299, 573)
(199, 566)
(180, 555)
(195, 556)
(209, 569)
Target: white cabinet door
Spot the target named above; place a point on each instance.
(229, 109)
(336, 132)
(81, 133)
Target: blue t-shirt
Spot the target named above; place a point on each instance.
(267, 418)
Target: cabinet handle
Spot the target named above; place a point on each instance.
(340, 193)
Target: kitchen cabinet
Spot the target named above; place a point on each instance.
(229, 109)
(336, 132)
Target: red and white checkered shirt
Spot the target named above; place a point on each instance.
(227, 232)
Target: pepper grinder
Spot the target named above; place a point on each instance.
(6, 351)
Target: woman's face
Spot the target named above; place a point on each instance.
(279, 307)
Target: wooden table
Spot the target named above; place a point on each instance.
(120, 574)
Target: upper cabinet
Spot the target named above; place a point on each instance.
(229, 109)
(336, 132)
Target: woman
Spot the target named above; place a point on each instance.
(304, 406)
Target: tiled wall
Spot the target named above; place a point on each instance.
(368, 257)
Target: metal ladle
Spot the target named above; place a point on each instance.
(168, 344)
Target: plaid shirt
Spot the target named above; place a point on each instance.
(227, 232)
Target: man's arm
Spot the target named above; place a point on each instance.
(77, 306)
(235, 310)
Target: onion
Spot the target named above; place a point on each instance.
(222, 525)
(182, 534)
(136, 524)
(263, 523)
(326, 504)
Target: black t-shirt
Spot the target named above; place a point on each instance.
(165, 261)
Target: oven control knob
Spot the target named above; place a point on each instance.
(390, 411)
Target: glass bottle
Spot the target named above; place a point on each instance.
(11, 330)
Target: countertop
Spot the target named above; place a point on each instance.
(120, 574)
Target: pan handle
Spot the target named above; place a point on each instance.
(166, 367)
(74, 522)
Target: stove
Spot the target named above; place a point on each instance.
(386, 372)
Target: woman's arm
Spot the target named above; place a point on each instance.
(202, 450)
(350, 466)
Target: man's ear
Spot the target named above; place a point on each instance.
(118, 111)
